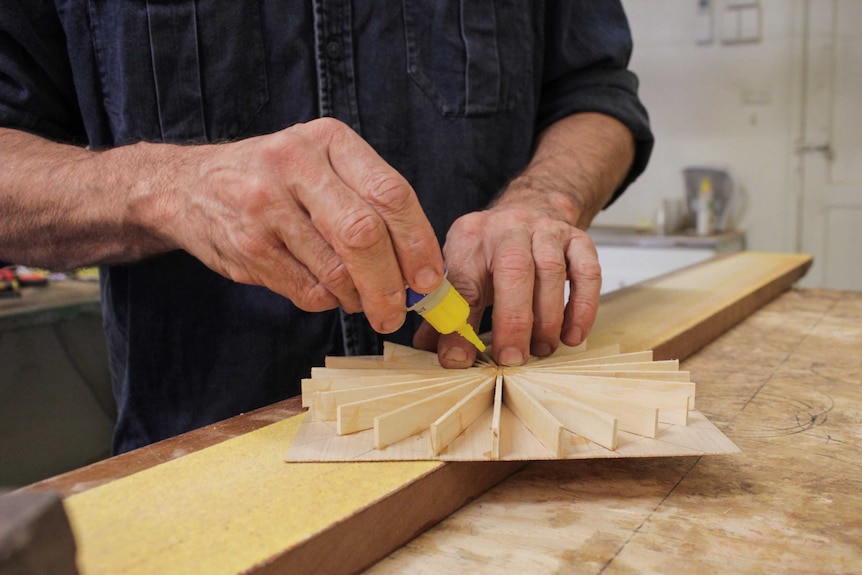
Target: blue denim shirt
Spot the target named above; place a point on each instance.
(451, 93)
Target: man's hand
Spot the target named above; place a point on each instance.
(311, 212)
(528, 256)
(518, 254)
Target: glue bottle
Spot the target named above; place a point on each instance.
(446, 310)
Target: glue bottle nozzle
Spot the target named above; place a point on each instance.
(446, 310)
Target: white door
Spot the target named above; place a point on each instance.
(830, 216)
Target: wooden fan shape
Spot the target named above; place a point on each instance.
(576, 403)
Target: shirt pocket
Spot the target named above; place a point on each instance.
(179, 70)
(470, 57)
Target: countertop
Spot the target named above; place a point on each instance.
(731, 240)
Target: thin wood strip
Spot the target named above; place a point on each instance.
(338, 372)
(534, 415)
(452, 423)
(605, 350)
(373, 361)
(405, 421)
(678, 376)
(401, 353)
(631, 417)
(598, 426)
(359, 415)
(324, 404)
(671, 400)
(322, 385)
(495, 420)
(663, 365)
(601, 382)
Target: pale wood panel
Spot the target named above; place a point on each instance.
(696, 305)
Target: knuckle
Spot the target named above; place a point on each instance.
(387, 192)
(589, 268)
(253, 248)
(472, 293)
(315, 299)
(550, 265)
(361, 231)
(549, 323)
(514, 321)
(334, 275)
(328, 127)
(513, 259)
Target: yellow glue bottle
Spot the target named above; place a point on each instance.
(446, 310)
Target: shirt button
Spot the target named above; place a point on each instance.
(333, 50)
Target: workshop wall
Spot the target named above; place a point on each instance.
(715, 96)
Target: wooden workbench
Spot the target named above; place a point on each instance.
(785, 385)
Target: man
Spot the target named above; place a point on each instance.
(252, 175)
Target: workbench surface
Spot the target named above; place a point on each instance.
(785, 385)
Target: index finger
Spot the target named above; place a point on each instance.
(391, 196)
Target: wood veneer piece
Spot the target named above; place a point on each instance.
(407, 420)
(453, 423)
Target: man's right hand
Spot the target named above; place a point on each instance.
(311, 212)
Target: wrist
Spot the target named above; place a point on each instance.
(148, 179)
(554, 195)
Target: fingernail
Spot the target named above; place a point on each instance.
(540, 349)
(456, 355)
(426, 278)
(511, 356)
(576, 335)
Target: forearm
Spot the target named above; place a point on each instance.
(578, 164)
(65, 206)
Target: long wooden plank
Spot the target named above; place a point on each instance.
(678, 313)
(237, 506)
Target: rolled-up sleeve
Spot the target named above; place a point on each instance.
(588, 47)
(37, 93)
